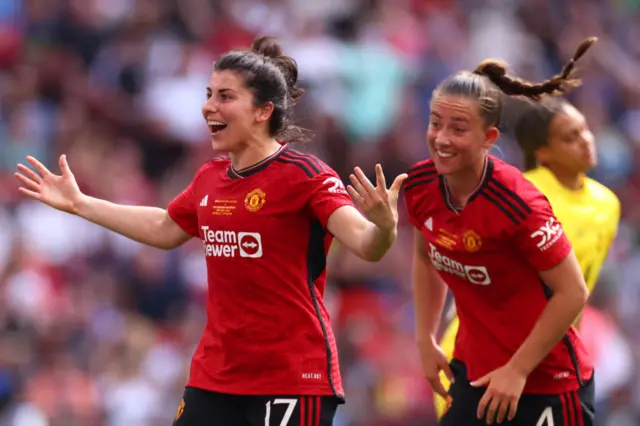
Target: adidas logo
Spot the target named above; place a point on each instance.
(429, 224)
(204, 201)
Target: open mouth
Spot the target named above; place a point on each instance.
(216, 127)
(445, 154)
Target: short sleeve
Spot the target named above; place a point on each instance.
(183, 210)
(540, 237)
(409, 202)
(327, 195)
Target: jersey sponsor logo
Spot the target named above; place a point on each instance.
(218, 243)
(337, 187)
(474, 274)
(471, 240)
(547, 234)
(255, 199)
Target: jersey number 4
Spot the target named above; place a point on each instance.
(291, 405)
(546, 418)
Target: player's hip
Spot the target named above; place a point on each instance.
(575, 407)
(199, 407)
(263, 376)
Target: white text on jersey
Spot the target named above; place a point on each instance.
(218, 243)
(547, 234)
(473, 274)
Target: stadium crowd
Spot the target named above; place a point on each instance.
(98, 330)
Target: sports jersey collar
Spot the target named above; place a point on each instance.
(261, 165)
(487, 170)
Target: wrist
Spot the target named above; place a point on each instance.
(520, 367)
(80, 206)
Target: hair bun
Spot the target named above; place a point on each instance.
(492, 68)
(268, 46)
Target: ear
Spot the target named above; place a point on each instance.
(263, 112)
(491, 135)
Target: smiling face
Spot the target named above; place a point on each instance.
(457, 135)
(230, 113)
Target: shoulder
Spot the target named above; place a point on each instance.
(420, 174)
(601, 193)
(217, 163)
(512, 193)
(303, 166)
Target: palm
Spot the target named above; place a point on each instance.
(58, 191)
(378, 203)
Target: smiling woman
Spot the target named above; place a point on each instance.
(486, 232)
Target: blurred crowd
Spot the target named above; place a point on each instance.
(98, 330)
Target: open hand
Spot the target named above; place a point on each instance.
(504, 388)
(379, 204)
(58, 191)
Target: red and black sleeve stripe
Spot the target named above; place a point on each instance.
(506, 200)
(420, 175)
(309, 164)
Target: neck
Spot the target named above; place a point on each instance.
(253, 153)
(570, 180)
(461, 184)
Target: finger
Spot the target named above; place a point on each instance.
(358, 187)
(484, 402)
(381, 182)
(447, 370)
(355, 196)
(494, 406)
(482, 381)
(438, 387)
(513, 408)
(26, 181)
(64, 165)
(28, 193)
(364, 180)
(397, 183)
(39, 166)
(29, 173)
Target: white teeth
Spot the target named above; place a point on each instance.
(445, 154)
(216, 123)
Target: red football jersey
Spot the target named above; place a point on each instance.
(264, 235)
(489, 254)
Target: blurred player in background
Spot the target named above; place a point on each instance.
(266, 215)
(491, 236)
(559, 150)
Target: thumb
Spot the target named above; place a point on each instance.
(483, 381)
(64, 165)
(397, 183)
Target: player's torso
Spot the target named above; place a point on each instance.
(258, 238)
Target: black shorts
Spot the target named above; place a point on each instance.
(568, 409)
(204, 408)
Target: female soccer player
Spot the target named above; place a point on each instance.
(487, 233)
(559, 150)
(265, 214)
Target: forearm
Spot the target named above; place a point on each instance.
(142, 224)
(375, 242)
(429, 293)
(560, 312)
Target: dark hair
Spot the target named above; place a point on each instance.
(532, 127)
(489, 82)
(271, 76)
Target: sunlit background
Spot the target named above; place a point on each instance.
(98, 331)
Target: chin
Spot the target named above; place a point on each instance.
(220, 145)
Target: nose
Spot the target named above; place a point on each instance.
(210, 105)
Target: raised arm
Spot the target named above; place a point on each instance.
(148, 225)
